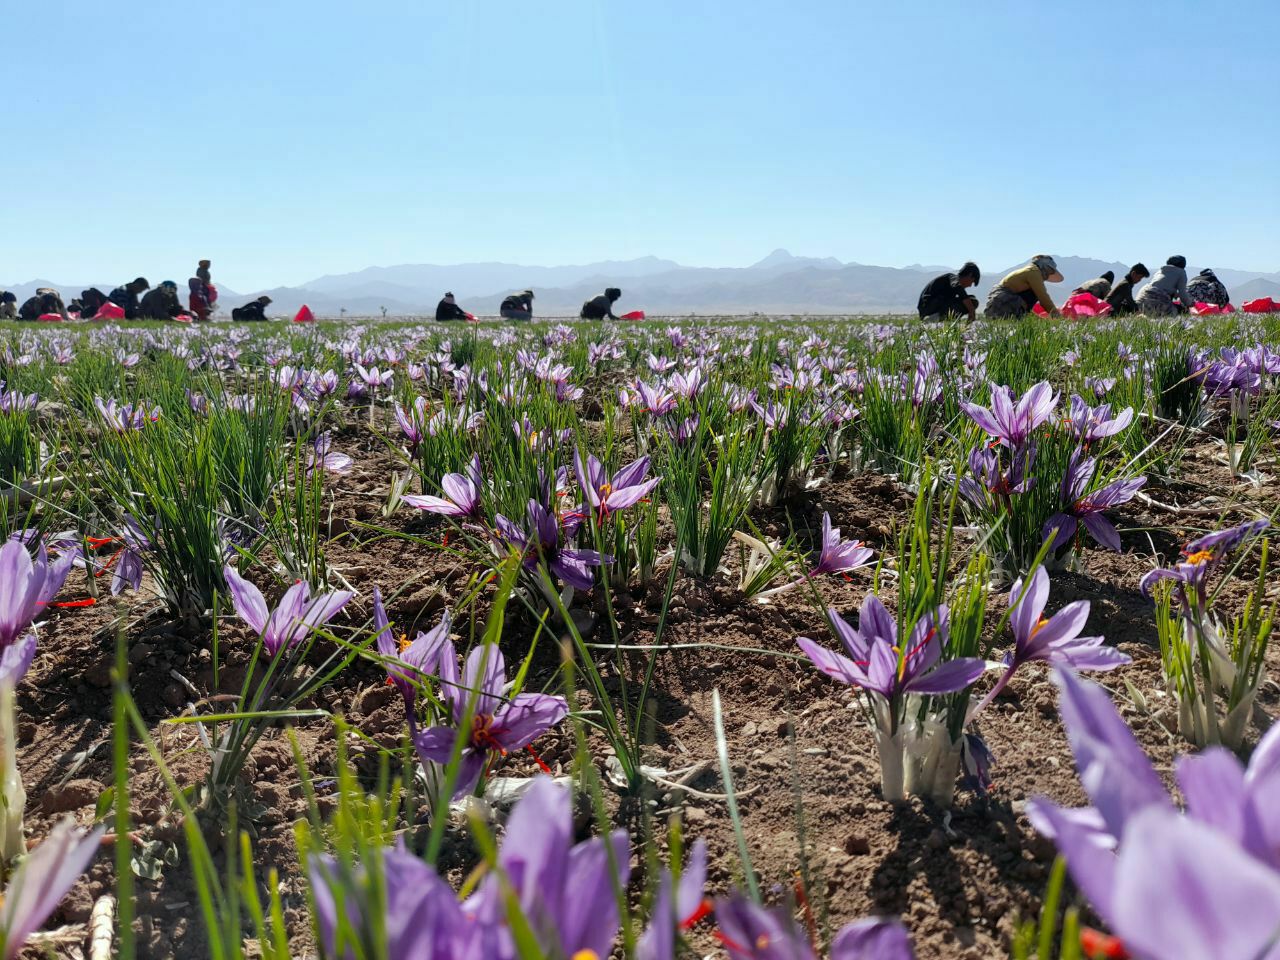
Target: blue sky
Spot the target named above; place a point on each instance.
(287, 140)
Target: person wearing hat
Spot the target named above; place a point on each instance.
(8, 305)
(597, 308)
(1205, 287)
(1100, 287)
(448, 309)
(1017, 293)
(126, 297)
(255, 311)
(88, 303)
(948, 296)
(162, 303)
(1121, 295)
(518, 306)
(1156, 298)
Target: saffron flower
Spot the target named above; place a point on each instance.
(125, 418)
(1094, 423)
(297, 614)
(28, 586)
(749, 931)
(42, 880)
(413, 423)
(461, 494)
(1201, 883)
(1055, 641)
(128, 571)
(322, 456)
(497, 724)
(879, 664)
(654, 400)
(839, 556)
(679, 912)
(989, 484)
(1012, 423)
(373, 377)
(1086, 508)
(1201, 558)
(542, 542)
(408, 662)
(607, 494)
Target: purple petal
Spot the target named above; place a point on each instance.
(832, 664)
(1102, 530)
(43, 879)
(1066, 624)
(949, 676)
(1212, 785)
(874, 938)
(433, 504)
(483, 677)
(1027, 601)
(16, 658)
(1066, 527)
(435, 744)
(246, 598)
(527, 717)
(1087, 850)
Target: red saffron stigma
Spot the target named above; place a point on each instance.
(537, 759)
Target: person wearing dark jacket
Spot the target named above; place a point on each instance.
(1121, 295)
(88, 303)
(126, 297)
(518, 306)
(8, 305)
(162, 303)
(46, 300)
(597, 308)
(448, 309)
(946, 296)
(255, 311)
(1205, 287)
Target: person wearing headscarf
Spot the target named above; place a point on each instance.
(8, 305)
(1205, 287)
(518, 306)
(162, 303)
(1121, 295)
(948, 295)
(198, 299)
(255, 311)
(126, 297)
(1100, 287)
(1156, 298)
(1017, 293)
(46, 300)
(448, 309)
(597, 308)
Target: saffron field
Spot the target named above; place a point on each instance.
(770, 638)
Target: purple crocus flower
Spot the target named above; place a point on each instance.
(26, 587)
(752, 932)
(461, 494)
(497, 723)
(839, 556)
(1009, 423)
(990, 484)
(654, 400)
(1086, 508)
(128, 571)
(421, 915)
(407, 662)
(1055, 640)
(125, 418)
(373, 377)
(607, 494)
(297, 614)
(543, 543)
(1211, 875)
(1201, 558)
(413, 423)
(323, 457)
(878, 664)
(42, 880)
(1100, 386)
(1094, 423)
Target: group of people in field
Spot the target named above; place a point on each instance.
(135, 300)
(1018, 293)
(519, 306)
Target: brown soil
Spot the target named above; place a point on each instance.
(804, 760)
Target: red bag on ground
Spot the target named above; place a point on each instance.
(50, 318)
(1261, 305)
(1084, 305)
(183, 318)
(109, 311)
(633, 315)
(304, 315)
(471, 317)
(1209, 309)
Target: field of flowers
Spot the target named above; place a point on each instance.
(761, 638)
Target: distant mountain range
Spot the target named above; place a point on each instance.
(778, 284)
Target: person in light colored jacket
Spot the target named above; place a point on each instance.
(1156, 298)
